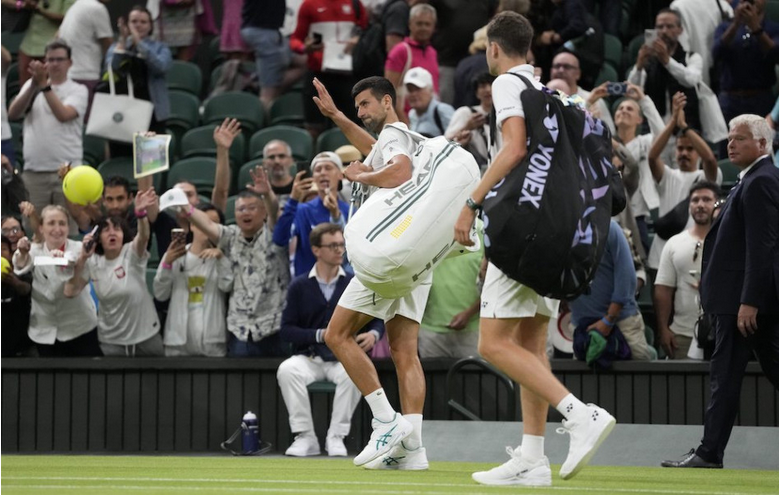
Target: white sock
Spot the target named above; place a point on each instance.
(571, 407)
(379, 404)
(413, 441)
(532, 447)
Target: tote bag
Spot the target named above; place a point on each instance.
(713, 124)
(117, 117)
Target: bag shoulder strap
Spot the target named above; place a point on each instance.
(438, 121)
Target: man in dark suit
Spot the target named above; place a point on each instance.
(739, 286)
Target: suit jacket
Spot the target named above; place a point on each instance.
(739, 264)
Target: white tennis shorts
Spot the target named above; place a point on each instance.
(359, 298)
(505, 298)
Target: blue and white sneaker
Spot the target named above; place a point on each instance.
(401, 458)
(384, 437)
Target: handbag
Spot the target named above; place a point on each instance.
(674, 221)
(713, 124)
(117, 117)
(705, 335)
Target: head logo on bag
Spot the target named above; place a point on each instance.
(547, 221)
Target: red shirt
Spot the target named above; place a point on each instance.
(334, 19)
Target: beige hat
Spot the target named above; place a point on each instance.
(326, 156)
(348, 153)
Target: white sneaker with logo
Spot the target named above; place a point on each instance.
(587, 434)
(383, 438)
(304, 445)
(401, 458)
(517, 471)
(335, 446)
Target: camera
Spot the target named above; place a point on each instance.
(616, 88)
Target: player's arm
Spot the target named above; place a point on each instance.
(514, 150)
(398, 170)
(358, 137)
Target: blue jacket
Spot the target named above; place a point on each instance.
(307, 310)
(303, 218)
(158, 58)
(615, 281)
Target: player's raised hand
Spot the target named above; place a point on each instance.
(324, 100)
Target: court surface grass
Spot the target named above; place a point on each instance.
(112, 474)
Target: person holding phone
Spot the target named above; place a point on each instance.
(128, 325)
(665, 68)
(196, 279)
(61, 325)
(676, 295)
(299, 217)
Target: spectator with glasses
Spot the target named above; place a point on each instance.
(566, 66)
(299, 217)
(53, 108)
(676, 294)
(260, 269)
(312, 299)
(12, 230)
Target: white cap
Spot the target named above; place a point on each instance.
(418, 77)
(327, 156)
(173, 198)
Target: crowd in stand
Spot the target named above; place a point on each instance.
(265, 283)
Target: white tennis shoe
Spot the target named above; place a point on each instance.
(384, 437)
(587, 434)
(517, 471)
(401, 458)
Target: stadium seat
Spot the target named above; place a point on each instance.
(236, 104)
(123, 166)
(11, 80)
(93, 150)
(613, 51)
(330, 140)
(299, 140)
(243, 176)
(198, 142)
(730, 174)
(215, 56)
(249, 67)
(198, 170)
(607, 73)
(771, 10)
(287, 109)
(633, 49)
(11, 42)
(229, 213)
(185, 76)
(184, 112)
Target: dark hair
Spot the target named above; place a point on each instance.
(7, 217)
(683, 133)
(323, 229)
(667, 10)
(703, 184)
(116, 181)
(58, 43)
(482, 79)
(6, 240)
(206, 207)
(512, 32)
(248, 194)
(378, 86)
(118, 222)
(141, 8)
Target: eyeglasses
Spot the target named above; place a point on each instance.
(11, 231)
(56, 59)
(566, 67)
(247, 208)
(696, 251)
(335, 247)
(277, 156)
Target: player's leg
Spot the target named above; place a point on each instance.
(340, 338)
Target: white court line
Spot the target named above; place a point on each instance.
(472, 486)
(179, 489)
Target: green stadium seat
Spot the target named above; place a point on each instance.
(249, 67)
(299, 140)
(185, 76)
(730, 174)
(123, 166)
(633, 49)
(607, 73)
(613, 51)
(244, 107)
(93, 150)
(243, 175)
(198, 142)
(184, 111)
(330, 140)
(197, 170)
(287, 109)
(230, 215)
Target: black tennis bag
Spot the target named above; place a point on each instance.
(547, 221)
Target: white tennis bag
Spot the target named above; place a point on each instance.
(399, 235)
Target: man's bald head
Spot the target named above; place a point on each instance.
(565, 66)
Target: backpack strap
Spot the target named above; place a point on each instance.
(438, 121)
(493, 114)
